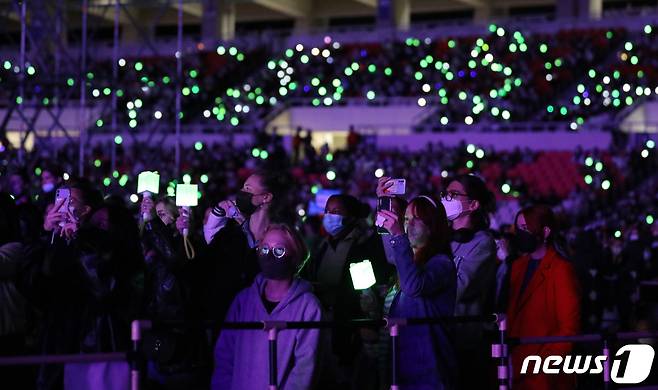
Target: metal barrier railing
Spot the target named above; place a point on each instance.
(499, 350)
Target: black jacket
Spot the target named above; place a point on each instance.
(341, 300)
(222, 269)
(86, 293)
(165, 289)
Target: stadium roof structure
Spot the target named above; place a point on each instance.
(213, 19)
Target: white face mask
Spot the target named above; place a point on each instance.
(453, 208)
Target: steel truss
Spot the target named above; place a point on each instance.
(43, 44)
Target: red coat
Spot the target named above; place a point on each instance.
(549, 306)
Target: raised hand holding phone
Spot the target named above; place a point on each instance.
(70, 227)
(383, 184)
(390, 222)
(55, 218)
(231, 210)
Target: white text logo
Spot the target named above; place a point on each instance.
(631, 364)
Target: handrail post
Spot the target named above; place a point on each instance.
(500, 351)
(606, 365)
(136, 360)
(272, 328)
(393, 325)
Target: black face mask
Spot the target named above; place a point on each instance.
(525, 242)
(243, 202)
(276, 269)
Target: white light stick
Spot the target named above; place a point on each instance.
(148, 183)
(186, 197)
(363, 276)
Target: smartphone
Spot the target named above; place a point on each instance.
(383, 203)
(65, 195)
(399, 187)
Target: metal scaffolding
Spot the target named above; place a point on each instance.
(44, 45)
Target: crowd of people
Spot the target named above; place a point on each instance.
(492, 76)
(77, 270)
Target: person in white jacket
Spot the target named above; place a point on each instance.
(242, 356)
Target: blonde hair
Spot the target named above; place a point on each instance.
(298, 246)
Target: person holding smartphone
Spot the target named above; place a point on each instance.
(234, 227)
(85, 285)
(419, 246)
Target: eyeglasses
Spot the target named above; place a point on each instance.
(277, 251)
(450, 195)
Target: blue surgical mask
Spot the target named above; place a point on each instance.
(47, 187)
(333, 223)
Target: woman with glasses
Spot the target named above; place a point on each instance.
(241, 356)
(467, 203)
(419, 246)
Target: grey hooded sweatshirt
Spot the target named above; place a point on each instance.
(241, 356)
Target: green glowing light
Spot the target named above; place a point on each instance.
(97, 163)
(198, 145)
(118, 140)
(139, 66)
